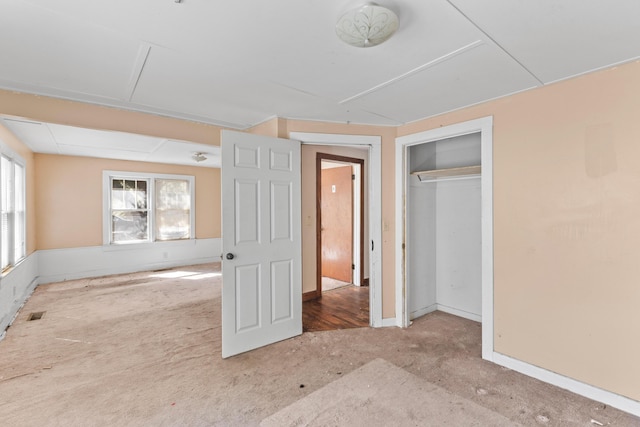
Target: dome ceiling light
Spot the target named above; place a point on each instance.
(199, 157)
(367, 25)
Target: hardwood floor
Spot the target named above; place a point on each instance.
(342, 308)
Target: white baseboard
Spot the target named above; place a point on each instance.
(612, 399)
(459, 313)
(446, 309)
(57, 265)
(16, 286)
(422, 311)
(391, 321)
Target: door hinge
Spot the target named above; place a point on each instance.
(353, 176)
(353, 266)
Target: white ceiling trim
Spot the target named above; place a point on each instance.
(114, 103)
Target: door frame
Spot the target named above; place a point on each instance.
(348, 161)
(484, 126)
(374, 143)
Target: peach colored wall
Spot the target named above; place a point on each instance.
(566, 170)
(266, 128)
(388, 135)
(27, 155)
(105, 118)
(69, 198)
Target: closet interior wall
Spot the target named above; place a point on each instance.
(444, 229)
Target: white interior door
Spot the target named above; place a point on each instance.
(261, 240)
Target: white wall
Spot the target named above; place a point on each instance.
(421, 248)
(57, 265)
(458, 248)
(15, 287)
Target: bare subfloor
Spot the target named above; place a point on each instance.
(144, 350)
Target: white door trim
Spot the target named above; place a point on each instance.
(375, 207)
(485, 127)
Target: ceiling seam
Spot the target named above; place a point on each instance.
(416, 70)
(53, 138)
(495, 42)
(141, 60)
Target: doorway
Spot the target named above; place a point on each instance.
(340, 300)
(339, 221)
(368, 147)
(335, 179)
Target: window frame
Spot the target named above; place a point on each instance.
(14, 159)
(109, 175)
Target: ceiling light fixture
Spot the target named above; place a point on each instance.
(199, 157)
(367, 25)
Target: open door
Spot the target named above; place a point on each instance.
(261, 240)
(336, 214)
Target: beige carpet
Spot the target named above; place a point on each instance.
(379, 391)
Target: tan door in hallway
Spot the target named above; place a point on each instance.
(337, 223)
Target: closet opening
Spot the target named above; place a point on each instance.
(443, 217)
(444, 231)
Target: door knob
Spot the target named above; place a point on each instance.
(230, 256)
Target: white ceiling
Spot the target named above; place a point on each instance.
(52, 138)
(239, 63)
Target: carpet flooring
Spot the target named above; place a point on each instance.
(379, 391)
(144, 349)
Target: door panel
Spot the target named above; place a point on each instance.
(337, 223)
(261, 282)
(247, 219)
(247, 293)
(281, 211)
(281, 291)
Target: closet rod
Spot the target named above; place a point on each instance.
(449, 178)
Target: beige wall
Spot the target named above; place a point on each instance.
(69, 198)
(23, 151)
(566, 170)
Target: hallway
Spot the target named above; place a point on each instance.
(342, 308)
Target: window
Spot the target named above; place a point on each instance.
(12, 210)
(147, 208)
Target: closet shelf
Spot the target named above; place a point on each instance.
(447, 173)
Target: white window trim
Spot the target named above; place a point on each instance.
(15, 158)
(151, 177)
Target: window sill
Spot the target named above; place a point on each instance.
(147, 245)
(10, 268)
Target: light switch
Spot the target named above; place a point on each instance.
(333, 188)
